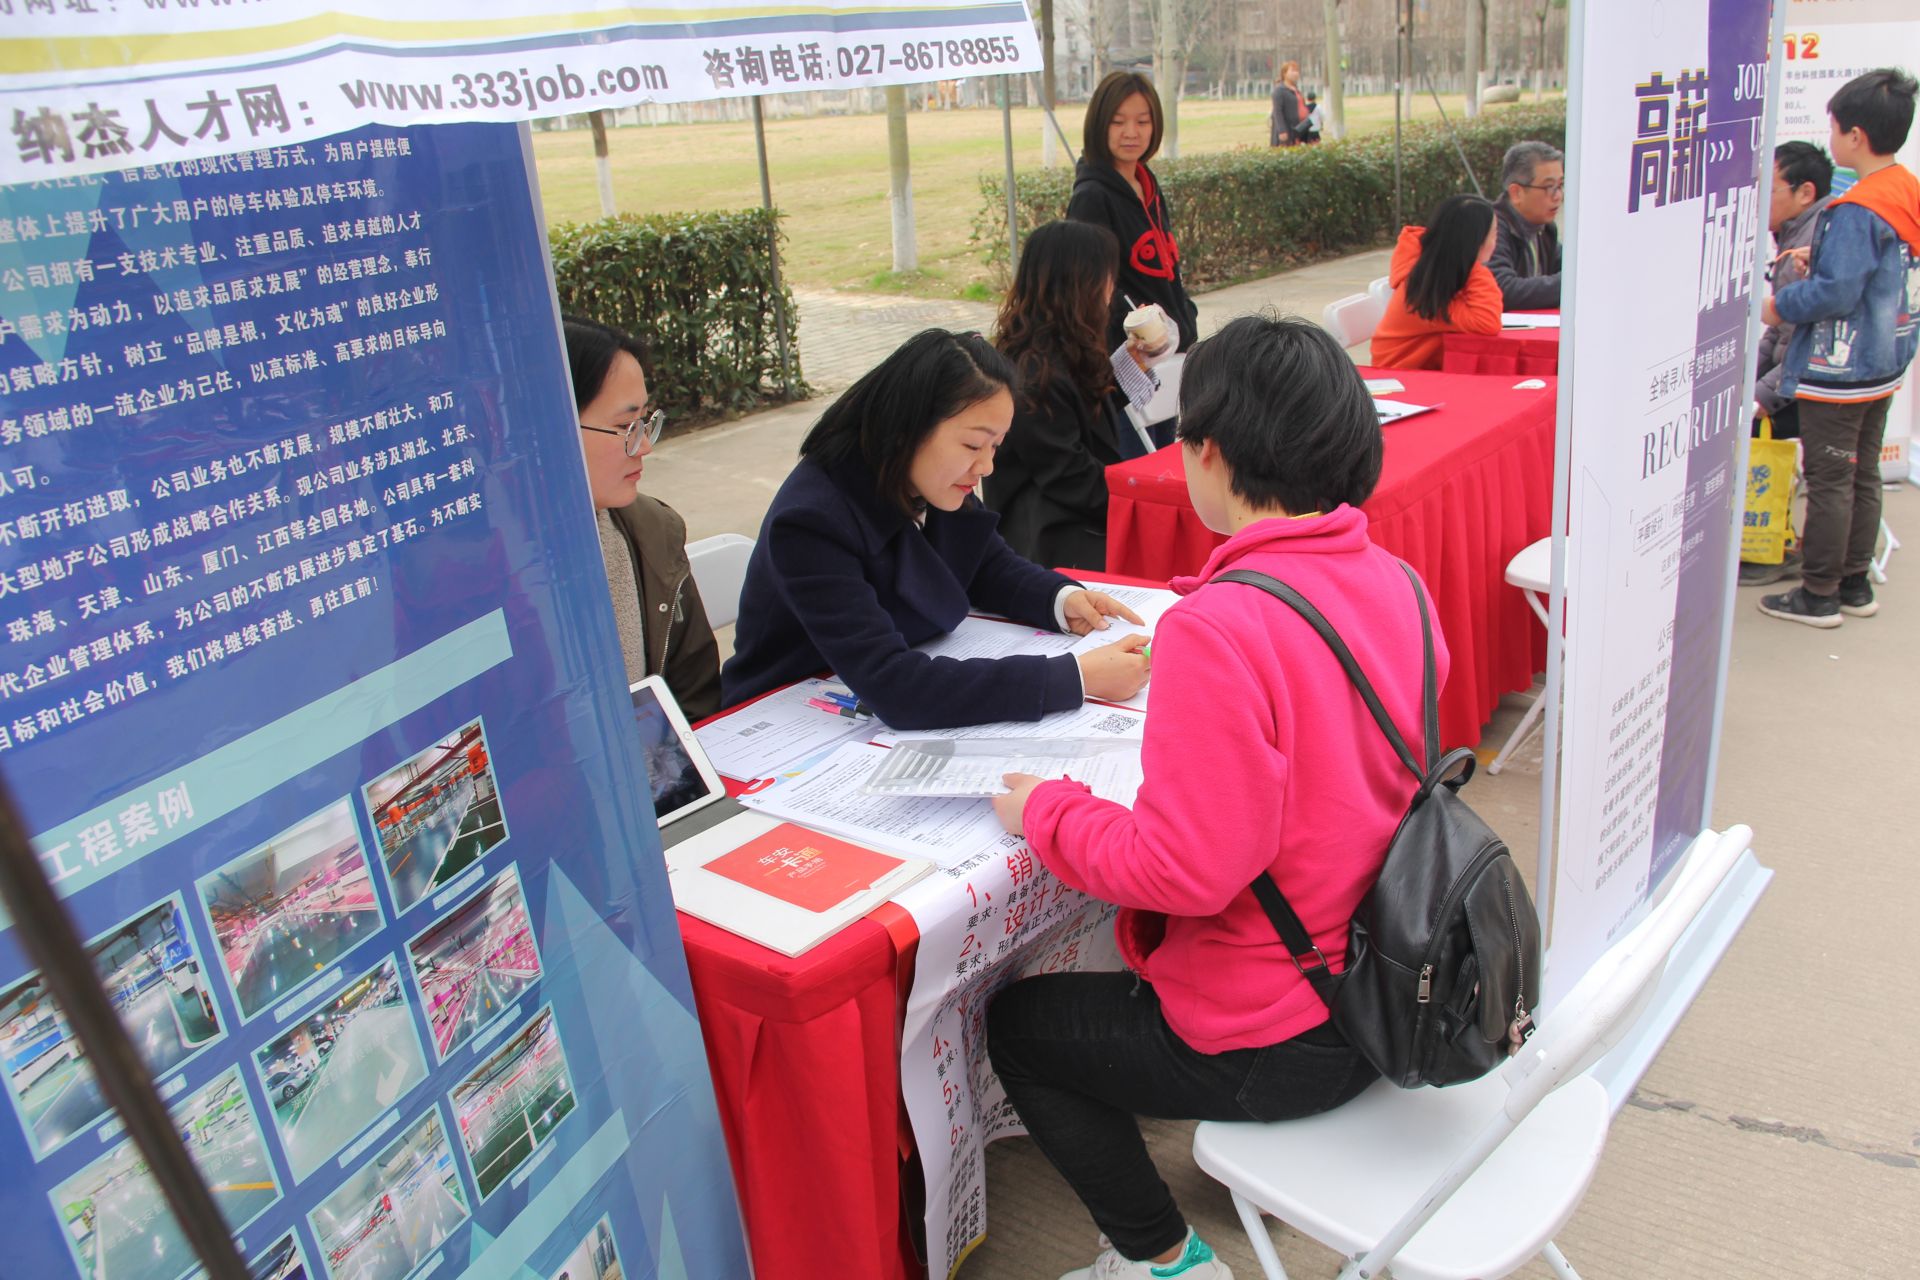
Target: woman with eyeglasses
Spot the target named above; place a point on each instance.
(1440, 284)
(656, 606)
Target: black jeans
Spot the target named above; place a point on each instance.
(1840, 444)
(1082, 1054)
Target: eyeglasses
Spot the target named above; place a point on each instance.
(647, 427)
(1551, 188)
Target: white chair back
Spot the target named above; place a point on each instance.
(1380, 290)
(720, 571)
(1352, 319)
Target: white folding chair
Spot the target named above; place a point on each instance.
(1352, 319)
(1470, 1181)
(1888, 546)
(720, 570)
(1531, 570)
(1380, 290)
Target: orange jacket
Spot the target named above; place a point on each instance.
(1408, 341)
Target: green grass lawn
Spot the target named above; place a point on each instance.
(830, 180)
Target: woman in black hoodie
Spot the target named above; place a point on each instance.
(1113, 188)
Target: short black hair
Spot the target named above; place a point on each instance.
(1105, 104)
(880, 421)
(591, 347)
(1288, 410)
(1449, 251)
(1799, 163)
(1879, 104)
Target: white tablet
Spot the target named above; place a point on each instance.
(684, 780)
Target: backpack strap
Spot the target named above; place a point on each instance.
(1318, 621)
(1308, 959)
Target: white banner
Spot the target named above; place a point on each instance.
(1828, 43)
(1668, 144)
(92, 88)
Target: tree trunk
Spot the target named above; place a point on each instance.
(1049, 88)
(598, 121)
(1170, 71)
(1540, 65)
(900, 180)
(1476, 46)
(1336, 74)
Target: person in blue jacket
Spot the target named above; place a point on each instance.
(878, 542)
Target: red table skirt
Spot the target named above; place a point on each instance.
(805, 1055)
(1461, 491)
(1513, 353)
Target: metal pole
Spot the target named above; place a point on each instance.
(48, 937)
(773, 250)
(1006, 130)
(1399, 93)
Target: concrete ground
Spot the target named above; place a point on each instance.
(1778, 1134)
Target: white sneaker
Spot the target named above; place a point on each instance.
(1197, 1263)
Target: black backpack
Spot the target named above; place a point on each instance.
(1442, 969)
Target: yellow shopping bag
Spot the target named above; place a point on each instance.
(1770, 463)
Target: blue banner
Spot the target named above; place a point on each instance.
(309, 687)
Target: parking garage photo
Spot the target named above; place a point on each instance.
(594, 1258)
(159, 987)
(436, 814)
(392, 1213)
(116, 1216)
(342, 1067)
(472, 965)
(285, 911)
(513, 1101)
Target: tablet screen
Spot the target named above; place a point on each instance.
(676, 779)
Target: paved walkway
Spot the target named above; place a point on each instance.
(1778, 1134)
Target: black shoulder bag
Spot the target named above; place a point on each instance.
(1442, 968)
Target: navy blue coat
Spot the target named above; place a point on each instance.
(841, 580)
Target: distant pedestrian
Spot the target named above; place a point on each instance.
(1290, 119)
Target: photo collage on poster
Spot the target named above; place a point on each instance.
(333, 1046)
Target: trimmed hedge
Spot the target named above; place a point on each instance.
(698, 287)
(1245, 213)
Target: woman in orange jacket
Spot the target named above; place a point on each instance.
(1440, 284)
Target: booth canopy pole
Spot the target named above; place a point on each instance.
(1006, 130)
(780, 324)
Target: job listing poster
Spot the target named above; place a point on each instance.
(311, 698)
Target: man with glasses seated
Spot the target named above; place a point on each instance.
(656, 606)
(1526, 261)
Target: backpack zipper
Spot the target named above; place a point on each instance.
(1454, 891)
(1522, 1024)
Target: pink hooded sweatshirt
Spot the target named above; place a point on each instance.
(1259, 756)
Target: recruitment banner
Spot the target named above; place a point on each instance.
(89, 88)
(1669, 150)
(310, 696)
(1829, 42)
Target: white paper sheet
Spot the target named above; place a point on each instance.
(975, 767)
(1395, 410)
(1528, 320)
(829, 796)
(986, 638)
(1089, 720)
(777, 734)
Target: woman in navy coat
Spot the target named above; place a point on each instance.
(878, 542)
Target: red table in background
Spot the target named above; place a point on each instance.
(1462, 489)
(1519, 353)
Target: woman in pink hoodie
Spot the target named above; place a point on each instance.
(1259, 756)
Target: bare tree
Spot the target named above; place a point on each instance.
(1178, 28)
(1336, 74)
(601, 162)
